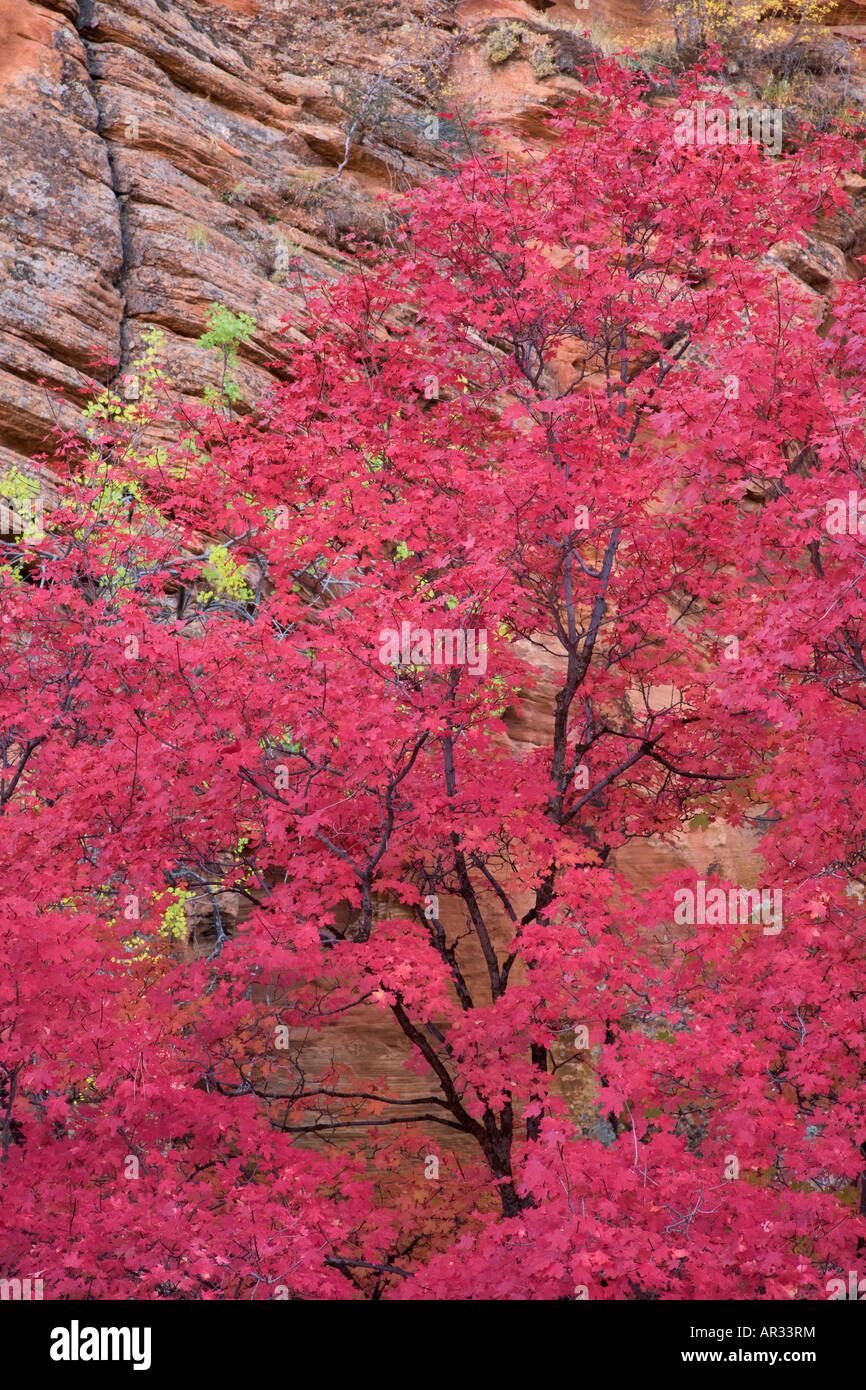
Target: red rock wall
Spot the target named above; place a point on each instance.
(157, 157)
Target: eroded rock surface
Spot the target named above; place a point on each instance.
(159, 157)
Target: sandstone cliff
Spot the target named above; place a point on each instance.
(158, 156)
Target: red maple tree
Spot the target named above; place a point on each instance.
(576, 440)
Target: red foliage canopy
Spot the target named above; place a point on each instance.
(574, 437)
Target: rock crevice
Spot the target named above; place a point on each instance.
(84, 24)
